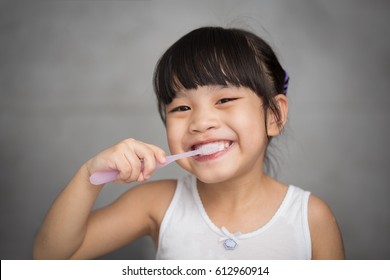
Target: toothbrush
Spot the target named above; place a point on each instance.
(103, 177)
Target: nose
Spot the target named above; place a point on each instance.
(203, 121)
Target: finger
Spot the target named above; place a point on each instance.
(127, 162)
(135, 167)
(159, 153)
(148, 160)
(143, 162)
(157, 156)
(141, 177)
(135, 160)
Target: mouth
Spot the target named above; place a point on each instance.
(217, 148)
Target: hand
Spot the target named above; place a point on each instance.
(134, 161)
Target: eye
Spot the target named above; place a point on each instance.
(180, 109)
(225, 100)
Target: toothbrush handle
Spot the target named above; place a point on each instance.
(103, 177)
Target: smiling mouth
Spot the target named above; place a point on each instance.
(218, 146)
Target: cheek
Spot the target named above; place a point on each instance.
(174, 136)
(251, 125)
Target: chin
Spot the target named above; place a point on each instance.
(212, 174)
(213, 177)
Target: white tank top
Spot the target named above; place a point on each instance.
(187, 232)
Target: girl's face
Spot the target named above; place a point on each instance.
(231, 116)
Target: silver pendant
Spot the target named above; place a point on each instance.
(230, 244)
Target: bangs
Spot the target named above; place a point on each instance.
(210, 56)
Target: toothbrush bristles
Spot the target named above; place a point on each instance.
(208, 150)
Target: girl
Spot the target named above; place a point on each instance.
(219, 87)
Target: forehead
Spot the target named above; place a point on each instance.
(209, 89)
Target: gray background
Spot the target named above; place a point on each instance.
(75, 77)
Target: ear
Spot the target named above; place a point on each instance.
(275, 125)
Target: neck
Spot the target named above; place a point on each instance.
(236, 193)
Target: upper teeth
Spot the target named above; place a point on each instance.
(223, 145)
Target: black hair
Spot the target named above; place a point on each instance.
(219, 56)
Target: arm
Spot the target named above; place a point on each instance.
(65, 224)
(136, 213)
(70, 229)
(326, 237)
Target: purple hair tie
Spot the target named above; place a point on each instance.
(286, 80)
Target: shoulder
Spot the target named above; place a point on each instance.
(152, 188)
(145, 203)
(154, 195)
(325, 233)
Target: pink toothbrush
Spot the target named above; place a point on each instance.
(103, 177)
